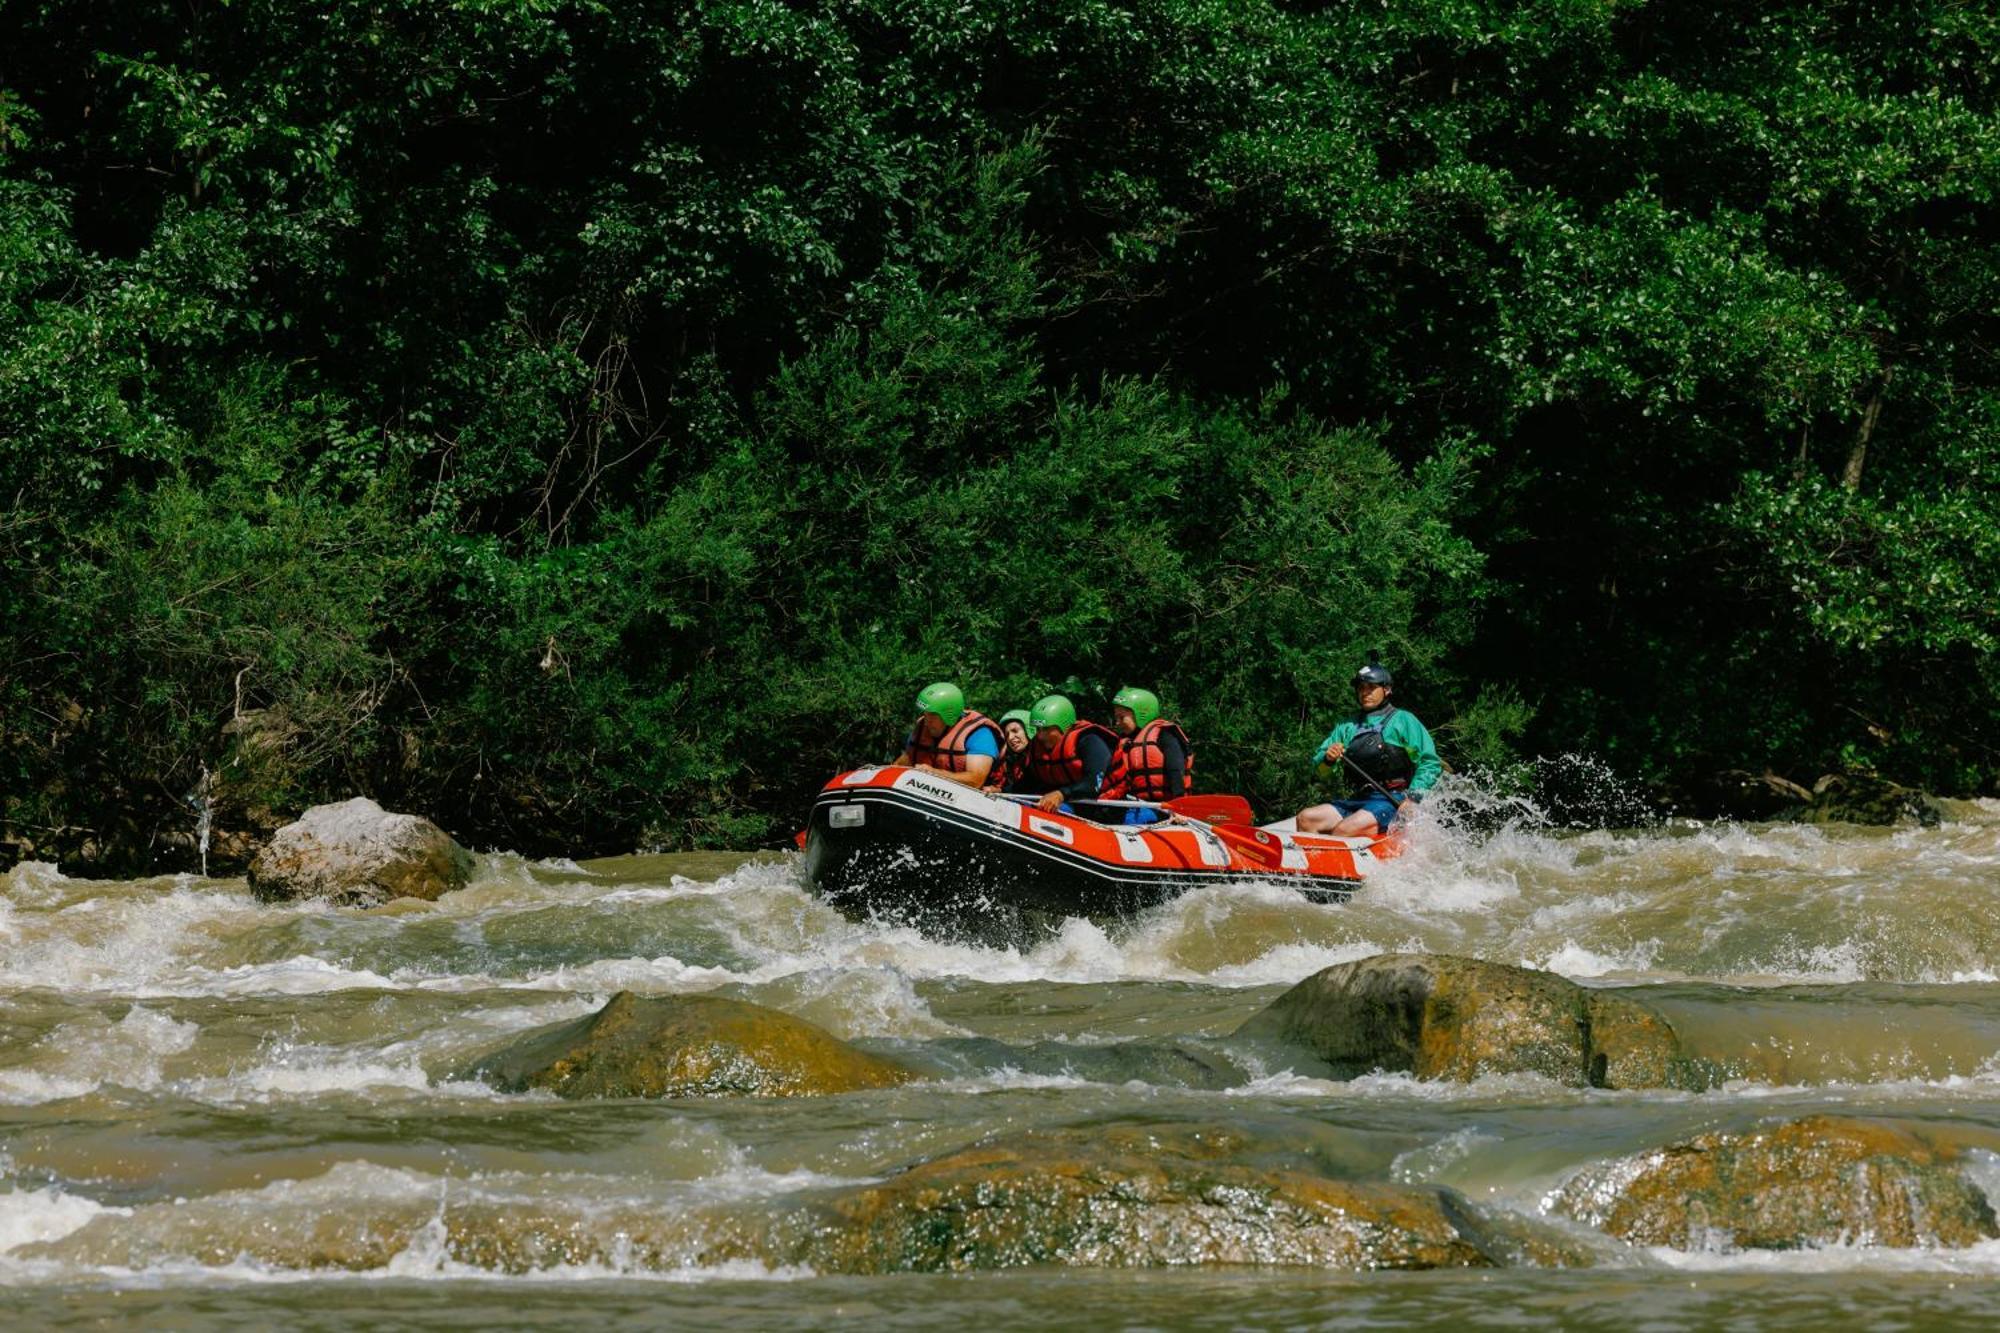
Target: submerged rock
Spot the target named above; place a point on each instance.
(685, 1046)
(358, 854)
(1160, 1063)
(1130, 1197)
(1440, 1017)
(1815, 1181)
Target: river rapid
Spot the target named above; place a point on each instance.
(215, 1112)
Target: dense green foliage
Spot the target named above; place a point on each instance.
(593, 422)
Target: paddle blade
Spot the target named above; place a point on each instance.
(1215, 809)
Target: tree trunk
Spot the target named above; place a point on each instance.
(1850, 476)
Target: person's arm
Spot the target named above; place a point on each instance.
(1175, 756)
(908, 759)
(1323, 759)
(1415, 738)
(1096, 756)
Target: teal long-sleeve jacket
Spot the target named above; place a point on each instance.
(1403, 731)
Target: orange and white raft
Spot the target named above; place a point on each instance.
(893, 839)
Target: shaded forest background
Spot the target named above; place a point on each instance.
(590, 423)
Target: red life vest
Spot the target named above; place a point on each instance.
(1063, 765)
(948, 750)
(1139, 766)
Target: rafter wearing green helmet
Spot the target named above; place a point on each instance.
(949, 739)
(1067, 759)
(943, 698)
(1052, 710)
(1154, 760)
(1145, 704)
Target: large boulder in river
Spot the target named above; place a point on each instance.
(1133, 1197)
(685, 1046)
(1439, 1017)
(358, 854)
(1817, 1181)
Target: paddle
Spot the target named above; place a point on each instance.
(1214, 809)
(1259, 846)
(1389, 796)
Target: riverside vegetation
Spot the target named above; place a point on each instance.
(586, 424)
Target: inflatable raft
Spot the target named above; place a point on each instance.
(894, 840)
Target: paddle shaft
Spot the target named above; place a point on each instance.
(1082, 800)
(1386, 793)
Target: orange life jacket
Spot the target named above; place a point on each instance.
(1139, 765)
(1063, 765)
(948, 750)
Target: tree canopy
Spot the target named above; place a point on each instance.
(592, 423)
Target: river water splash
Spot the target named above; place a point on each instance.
(215, 1109)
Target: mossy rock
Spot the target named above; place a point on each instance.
(1439, 1017)
(1816, 1181)
(1133, 1197)
(685, 1046)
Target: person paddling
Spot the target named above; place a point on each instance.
(1154, 760)
(1386, 755)
(949, 739)
(1012, 768)
(1068, 758)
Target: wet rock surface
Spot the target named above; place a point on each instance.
(1112, 1196)
(1131, 1197)
(1439, 1017)
(357, 854)
(1816, 1181)
(1166, 1064)
(685, 1046)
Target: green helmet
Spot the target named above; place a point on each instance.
(1017, 715)
(1145, 704)
(1052, 711)
(943, 698)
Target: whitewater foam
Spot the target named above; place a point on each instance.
(30, 1217)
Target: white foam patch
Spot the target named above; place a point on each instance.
(122, 943)
(303, 975)
(1285, 1083)
(863, 1002)
(314, 1079)
(1982, 1259)
(1571, 959)
(1430, 1161)
(30, 1217)
(1288, 963)
(1008, 1079)
(1409, 884)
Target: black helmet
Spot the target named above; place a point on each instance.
(1373, 674)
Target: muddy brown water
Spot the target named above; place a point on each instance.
(215, 1113)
